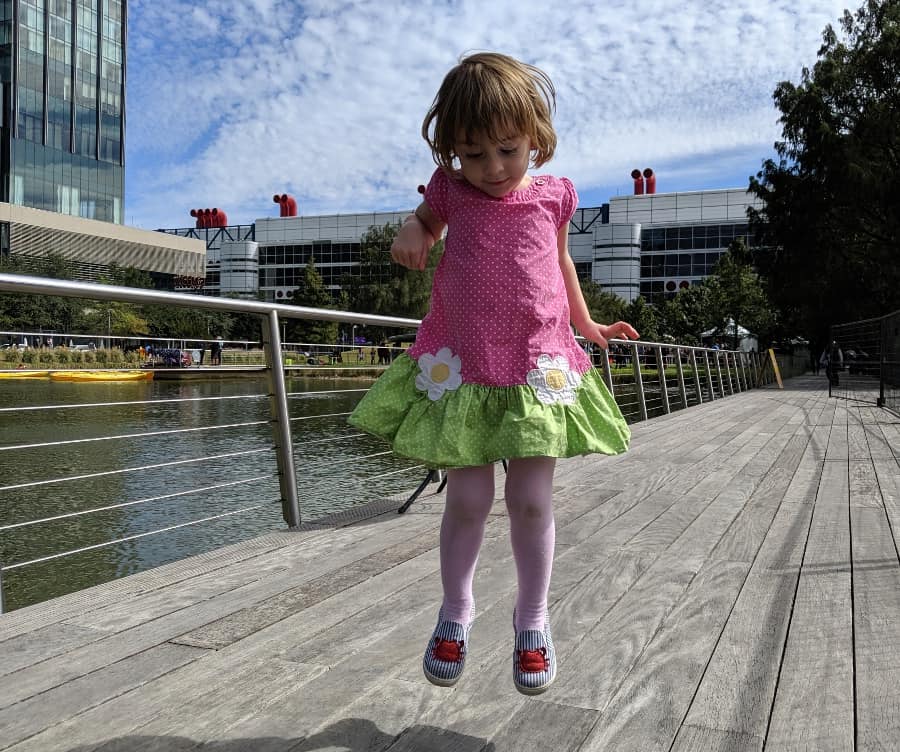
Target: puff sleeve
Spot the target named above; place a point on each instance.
(568, 202)
(438, 195)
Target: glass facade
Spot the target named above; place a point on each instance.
(673, 258)
(63, 74)
(285, 265)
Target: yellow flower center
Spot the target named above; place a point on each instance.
(556, 379)
(440, 372)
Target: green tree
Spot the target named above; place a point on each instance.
(604, 307)
(687, 315)
(736, 295)
(830, 216)
(643, 318)
(312, 293)
(40, 312)
(388, 289)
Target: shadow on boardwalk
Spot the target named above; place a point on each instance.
(352, 734)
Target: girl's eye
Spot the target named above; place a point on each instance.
(473, 156)
(508, 152)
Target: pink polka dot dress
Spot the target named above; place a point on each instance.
(495, 371)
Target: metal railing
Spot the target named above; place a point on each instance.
(869, 370)
(646, 378)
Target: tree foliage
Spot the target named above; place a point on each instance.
(20, 312)
(604, 307)
(312, 293)
(388, 289)
(830, 216)
(643, 317)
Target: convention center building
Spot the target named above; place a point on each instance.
(649, 244)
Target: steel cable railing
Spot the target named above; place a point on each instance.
(867, 367)
(180, 441)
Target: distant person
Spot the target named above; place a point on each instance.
(834, 363)
(215, 352)
(495, 371)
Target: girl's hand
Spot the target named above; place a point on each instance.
(600, 333)
(409, 251)
(414, 240)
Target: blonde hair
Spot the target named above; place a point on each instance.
(494, 95)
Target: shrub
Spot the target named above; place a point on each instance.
(62, 355)
(29, 355)
(87, 356)
(46, 356)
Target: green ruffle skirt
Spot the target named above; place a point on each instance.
(477, 425)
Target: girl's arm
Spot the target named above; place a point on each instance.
(420, 231)
(578, 309)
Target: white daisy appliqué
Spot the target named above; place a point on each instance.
(439, 373)
(553, 381)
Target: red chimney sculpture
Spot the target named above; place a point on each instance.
(638, 182)
(287, 205)
(650, 180)
(210, 218)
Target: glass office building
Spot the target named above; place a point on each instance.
(62, 67)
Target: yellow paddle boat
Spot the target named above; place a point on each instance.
(89, 375)
(22, 373)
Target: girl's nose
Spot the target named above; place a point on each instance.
(494, 165)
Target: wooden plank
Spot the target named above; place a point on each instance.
(198, 690)
(646, 711)
(546, 726)
(32, 716)
(813, 705)
(102, 652)
(31, 647)
(695, 738)
(735, 694)
(245, 621)
(876, 629)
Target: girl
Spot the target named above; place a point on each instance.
(495, 371)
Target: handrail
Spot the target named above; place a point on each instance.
(666, 377)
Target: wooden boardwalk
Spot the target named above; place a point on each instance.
(732, 583)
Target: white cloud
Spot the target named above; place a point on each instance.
(231, 102)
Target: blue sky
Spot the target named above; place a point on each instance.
(231, 102)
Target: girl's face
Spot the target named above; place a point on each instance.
(495, 167)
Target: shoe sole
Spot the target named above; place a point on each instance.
(437, 681)
(534, 690)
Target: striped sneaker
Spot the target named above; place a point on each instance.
(534, 660)
(445, 656)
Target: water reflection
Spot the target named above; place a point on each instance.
(330, 477)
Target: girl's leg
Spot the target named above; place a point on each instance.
(529, 502)
(470, 494)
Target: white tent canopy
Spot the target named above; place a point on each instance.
(747, 341)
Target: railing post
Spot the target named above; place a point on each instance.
(709, 379)
(663, 387)
(607, 371)
(638, 381)
(696, 376)
(728, 373)
(281, 423)
(719, 372)
(881, 363)
(736, 358)
(680, 372)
